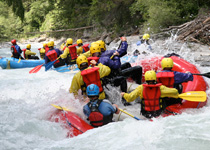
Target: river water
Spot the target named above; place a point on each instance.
(25, 106)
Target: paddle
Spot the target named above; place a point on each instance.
(129, 114)
(36, 69)
(117, 48)
(203, 74)
(19, 59)
(65, 109)
(59, 107)
(50, 64)
(194, 96)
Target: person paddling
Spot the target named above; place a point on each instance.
(16, 50)
(99, 112)
(151, 94)
(52, 54)
(28, 53)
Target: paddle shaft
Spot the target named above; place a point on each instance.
(117, 48)
(129, 114)
(204, 74)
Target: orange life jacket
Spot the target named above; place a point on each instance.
(73, 52)
(13, 49)
(52, 55)
(91, 76)
(166, 78)
(92, 58)
(85, 47)
(151, 97)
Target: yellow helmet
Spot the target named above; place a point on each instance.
(44, 45)
(146, 36)
(81, 59)
(69, 41)
(50, 44)
(79, 41)
(102, 44)
(95, 47)
(28, 46)
(167, 63)
(150, 75)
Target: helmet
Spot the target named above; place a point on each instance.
(94, 48)
(28, 46)
(167, 63)
(102, 44)
(50, 44)
(92, 90)
(79, 41)
(150, 75)
(44, 45)
(13, 41)
(81, 59)
(146, 36)
(69, 41)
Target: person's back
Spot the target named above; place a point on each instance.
(99, 112)
(15, 49)
(29, 53)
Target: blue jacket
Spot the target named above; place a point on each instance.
(111, 63)
(122, 51)
(180, 77)
(105, 108)
(58, 54)
(18, 49)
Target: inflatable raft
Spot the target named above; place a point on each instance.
(181, 65)
(12, 63)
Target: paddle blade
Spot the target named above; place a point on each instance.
(60, 108)
(19, 60)
(195, 96)
(36, 69)
(49, 65)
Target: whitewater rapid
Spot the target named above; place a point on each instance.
(25, 108)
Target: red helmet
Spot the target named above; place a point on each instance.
(13, 41)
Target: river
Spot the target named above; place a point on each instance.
(25, 106)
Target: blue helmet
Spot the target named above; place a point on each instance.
(92, 90)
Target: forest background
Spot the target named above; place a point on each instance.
(32, 18)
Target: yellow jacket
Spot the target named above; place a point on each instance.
(65, 53)
(28, 52)
(77, 81)
(79, 50)
(138, 92)
(87, 54)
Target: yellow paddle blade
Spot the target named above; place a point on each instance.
(195, 96)
(59, 107)
(19, 60)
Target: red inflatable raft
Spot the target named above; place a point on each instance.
(77, 126)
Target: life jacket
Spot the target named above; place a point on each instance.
(96, 118)
(166, 78)
(92, 58)
(24, 53)
(151, 97)
(91, 76)
(73, 52)
(46, 49)
(52, 55)
(85, 47)
(13, 50)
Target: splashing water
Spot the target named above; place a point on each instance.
(25, 106)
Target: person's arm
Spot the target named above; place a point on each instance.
(180, 77)
(76, 83)
(112, 63)
(86, 110)
(168, 92)
(104, 70)
(138, 92)
(29, 53)
(123, 48)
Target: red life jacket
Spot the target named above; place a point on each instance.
(13, 49)
(92, 58)
(73, 52)
(91, 76)
(96, 118)
(85, 47)
(52, 55)
(24, 52)
(64, 48)
(151, 97)
(166, 78)
(46, 49)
